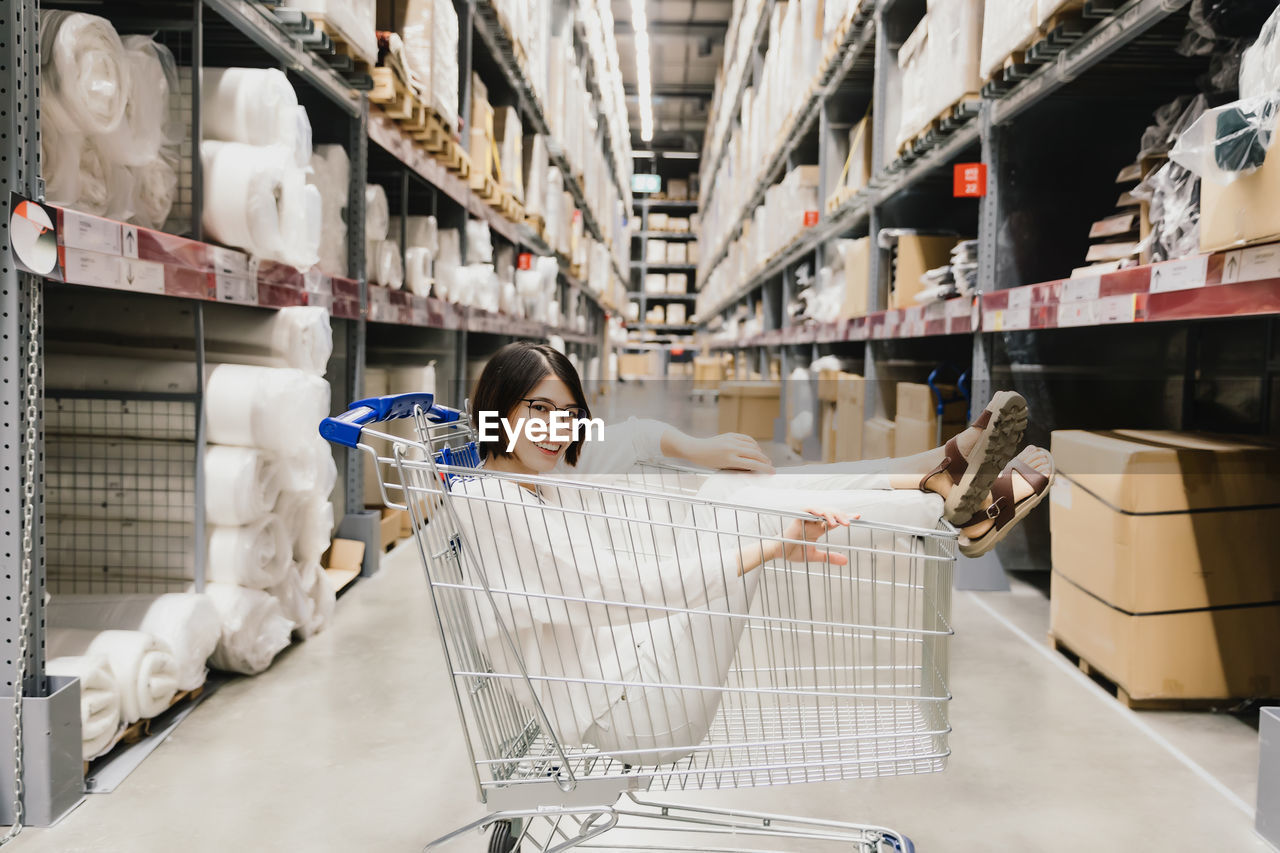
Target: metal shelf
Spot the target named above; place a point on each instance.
(669, 236)
(663, 328)
(662, 297)
(646, 267)
(670, 204)
(402, 308)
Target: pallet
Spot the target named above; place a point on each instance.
(1115, 689)
(485, 187)
(360, 61)
(948, 121)
(537, 223)
(142, 728)
(1064, 28)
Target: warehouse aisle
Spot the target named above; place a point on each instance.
(350, 742)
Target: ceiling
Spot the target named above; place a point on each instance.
(686, 46)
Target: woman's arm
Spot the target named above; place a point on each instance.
(727, 451)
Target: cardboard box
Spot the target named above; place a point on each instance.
(914, 435)
(390, 527)
(678, 190)
(676, 253)
(841, 397)
(677, 282)
(1195, 654)
(676, 313)
(878, 438)
(917, 400)
(634, 365)
(691, 253)
(1152, 522)
(679, 224)
(343, 562)
(655, 251)
(750, 408)
(856, 256)
(916, 254)
(655, 282)
(858, 164)
(708, 371)
(658, 221)
(1245, 211)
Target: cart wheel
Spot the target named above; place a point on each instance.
(501, 840)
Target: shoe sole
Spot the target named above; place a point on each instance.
(996, 446)
(1024, 509)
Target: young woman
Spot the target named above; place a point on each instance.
(609, 595)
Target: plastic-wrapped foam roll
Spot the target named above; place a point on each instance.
(243, 188)
(388, 266)
(254, 556)
(254, 630)
(155, 186)
(300, 218)
(377, 213)
(106, 187)
(269, 407)
(256, 106)
(153, 78)
(83, 64)
(241, 484)
(417, 276)
(60, 145)
(419, 232)
(302, 138)
(309, 467)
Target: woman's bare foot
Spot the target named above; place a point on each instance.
(1039, 459)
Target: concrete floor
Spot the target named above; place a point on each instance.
(351, 742)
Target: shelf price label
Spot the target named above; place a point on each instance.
(810, 218)
(970, 180)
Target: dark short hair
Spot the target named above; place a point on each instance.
(506, 381)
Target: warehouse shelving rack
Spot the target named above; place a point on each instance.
(1119, 349)
(185, 279)
(640, 267)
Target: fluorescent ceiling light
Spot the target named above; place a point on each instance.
(643, 155)
(680, 155)
(644, 85)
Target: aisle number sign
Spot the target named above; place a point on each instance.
(970, 180)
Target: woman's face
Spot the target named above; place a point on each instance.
(541, 456)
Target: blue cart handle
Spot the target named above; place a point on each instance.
(346, 428)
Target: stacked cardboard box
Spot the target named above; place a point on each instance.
(1164, 575)
(840, 398)
(917, 422)
(915, 255)
(750, 408)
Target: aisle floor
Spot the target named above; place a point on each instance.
(351, 742)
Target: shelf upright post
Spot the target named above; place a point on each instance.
(878, 276)
(357, 523)
(197, 81)
(466, 10)
(51, 773)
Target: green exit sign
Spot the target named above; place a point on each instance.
(646, 184)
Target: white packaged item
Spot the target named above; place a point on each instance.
(60, 144)
(377, 213)
(153, 78)
(444, 62)
(271, 408)
(417, 274)
(155, 188)
(256, 106)
(253, 555)
(535, 174)
(243, 189)
(479, 242)
(241, 484)
(677, 282)
(419, 231)
(298, 336)
(300, 218)
(354, 21)
(141, 664)
(658, 221)
(83, 66)
(1007, 25)
(254, 630)
(384, 265)
(655, 283)
(308, 518)
(186, 621)
(676, 253)
(656, 252)
(106, 187)
(99, 700)
(676, 314)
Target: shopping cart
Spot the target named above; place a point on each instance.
(581, 684)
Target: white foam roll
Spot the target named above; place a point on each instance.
(60, 145)
(106, 187)
(319, 589)
(419, 231)
(299, 244)
(298, 336)
(377, 212)
(83, 62)
(153, 78)
(388, 265)
(412, 380)
(254, 630)
(268, 407)
(337, 169)
(418, 273)
(241, 484)
(252, 105)
(155, 187)
(141, 664)
(309, 467)
(254, 556)
(295, 604)
(99, 700)
(309, 521)
(186, 621)
(302, 138)
(243, 188)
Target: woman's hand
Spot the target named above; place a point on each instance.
(811, 530)
(728, 451)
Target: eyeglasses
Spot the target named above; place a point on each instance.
(544, 409)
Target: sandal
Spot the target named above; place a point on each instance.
(1004, 512)
(1002, 424)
